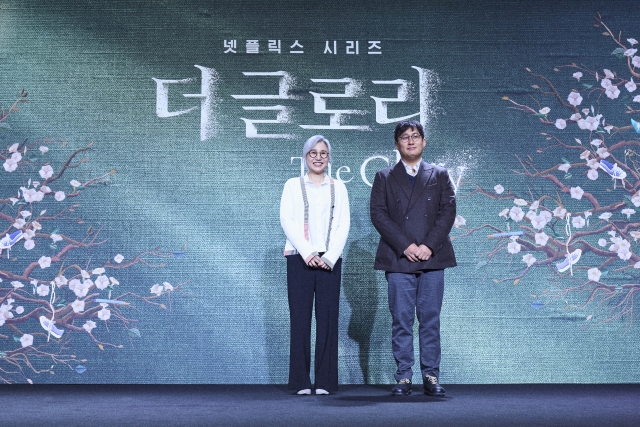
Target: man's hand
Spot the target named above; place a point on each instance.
(415, 253)
(423, 253)
(411, 253)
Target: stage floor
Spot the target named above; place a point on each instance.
(519, 405)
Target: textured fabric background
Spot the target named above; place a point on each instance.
(88, 68)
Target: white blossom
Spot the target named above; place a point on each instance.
(78, 306)
(624, 254)
(46, 172)
(589, 123)
(594, 274)
(102, 282)
(514, 247)
(156, 289)
(528, 259)
(574, 99)
(602, 152)
(576, 192)
(516, 213)
(104, 314)
(44, 261)
(560, 212)
(628, 212)
(541, 238)
(89, 325)
(26, 340)
(578, 222)
(612, 92)
(60, 281)
(593, 164)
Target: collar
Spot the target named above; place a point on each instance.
(308, 181)
(413, 171)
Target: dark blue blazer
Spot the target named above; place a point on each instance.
(422, 213)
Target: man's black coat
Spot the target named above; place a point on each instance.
(422, 213)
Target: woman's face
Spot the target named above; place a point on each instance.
(318, 158)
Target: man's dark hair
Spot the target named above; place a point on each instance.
(407, 124)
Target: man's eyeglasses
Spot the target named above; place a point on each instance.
(416, 137)
(313, 154)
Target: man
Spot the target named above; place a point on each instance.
(413, 207)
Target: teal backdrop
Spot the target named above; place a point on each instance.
(194, 114)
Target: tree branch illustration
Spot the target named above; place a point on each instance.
(577, 220)
(45, 300)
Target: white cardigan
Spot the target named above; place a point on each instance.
(319, 198)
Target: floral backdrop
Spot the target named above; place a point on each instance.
(144, 147)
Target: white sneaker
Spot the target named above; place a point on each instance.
(9, 240)
(50, 326)
(304, 391)
(321, 391)
(569, 260)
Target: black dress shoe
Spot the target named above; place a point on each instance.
(403, 388)
(432, 387)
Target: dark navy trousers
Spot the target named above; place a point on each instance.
(410, 295)
(305, 284)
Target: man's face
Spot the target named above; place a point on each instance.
(410, 145)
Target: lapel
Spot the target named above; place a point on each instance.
(424, 174)
(401, 177)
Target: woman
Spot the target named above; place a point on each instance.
(314, 214)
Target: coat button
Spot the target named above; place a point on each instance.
(428, 198)
(406, 217)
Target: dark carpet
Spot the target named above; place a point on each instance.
(354, 405)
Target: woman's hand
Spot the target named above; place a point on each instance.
(316, 262)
